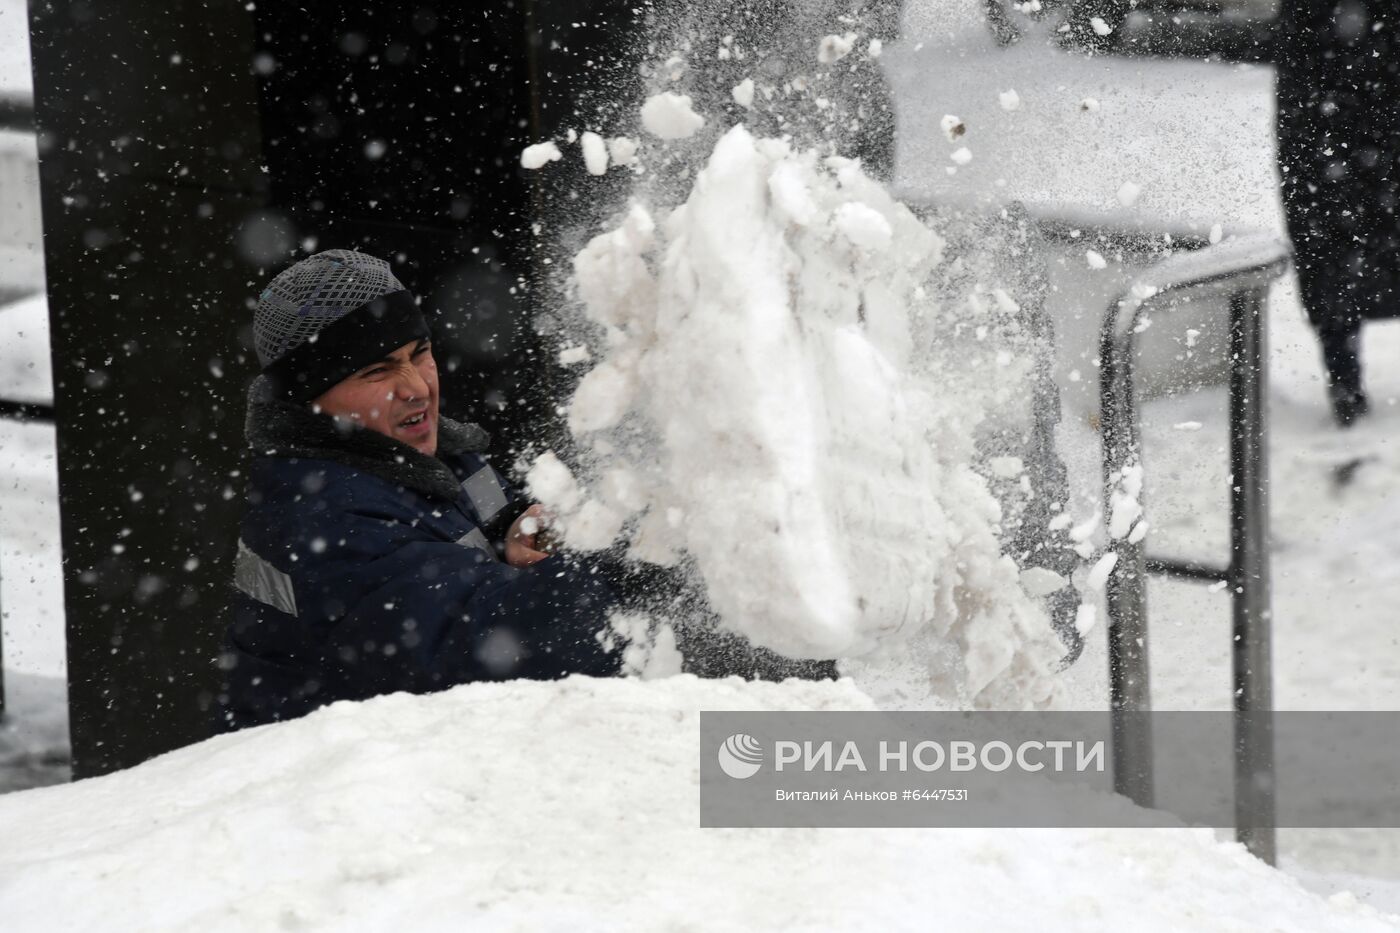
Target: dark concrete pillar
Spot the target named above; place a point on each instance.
(190, 150)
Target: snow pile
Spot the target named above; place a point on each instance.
(765, 404)
(568, 805)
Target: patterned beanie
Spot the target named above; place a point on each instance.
(329, 316)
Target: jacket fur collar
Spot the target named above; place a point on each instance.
(276, 428)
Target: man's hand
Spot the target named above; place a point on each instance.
(520, 540)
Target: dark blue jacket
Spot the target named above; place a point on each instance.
(365, 567)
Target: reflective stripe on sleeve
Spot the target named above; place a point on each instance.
(484, 489)
(255, 577)
(476, 539)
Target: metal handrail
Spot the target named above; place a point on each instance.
(1241, 269)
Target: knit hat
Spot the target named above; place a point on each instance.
(329, 316)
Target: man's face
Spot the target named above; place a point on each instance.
(397, 396)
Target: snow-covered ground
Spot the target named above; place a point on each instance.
(575, 804)
(571, 805)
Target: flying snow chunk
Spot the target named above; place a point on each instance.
(961, 156)
(595, 153)
(572, 356)
(1095, 259)
(623, 150)
(602, 398)
(1084, 618)
(743, 93)
(1007, 467)
(864, 226)
(1128, 193)
(1187, 426)
(1098, 576)
(1089, 105)
(1010, 100)
(539, 155)
(875, 48)
(553, 483)
(670, 116)
(953, 127)
(834, 48)
(1085, 529)
(1039, 582)
(595, 526)
(1100, 26)
(1217, 233)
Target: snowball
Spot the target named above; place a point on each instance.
(1089, 105)
(623, 150)
(1128, 193)
(1138, 533)
(1009, 100)
(1100, 27)
(540, 154)
(834, 48)
(1217, 233)
(743, 93)
(953, 127)
(595, 153)
(529, 525)
(1095, 259)
(875, 48)
(669, 116)
(961, 156)
(863, 226)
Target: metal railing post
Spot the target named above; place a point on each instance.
(1249, 578)
(1128, 673)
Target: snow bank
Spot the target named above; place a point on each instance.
(765, 403)
(568, 805)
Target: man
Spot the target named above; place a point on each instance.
(1339, 158)
(381, 551)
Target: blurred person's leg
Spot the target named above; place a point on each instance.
(1320, 115)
